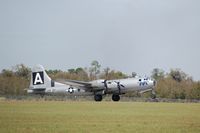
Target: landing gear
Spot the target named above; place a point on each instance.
(115, 97)
(153, 94)
(98, 98)
(42, 95)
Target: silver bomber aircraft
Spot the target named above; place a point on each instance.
(42, 84)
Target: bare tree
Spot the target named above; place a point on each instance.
(94, 69)
(157, 74)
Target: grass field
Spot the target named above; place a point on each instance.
(90, 117)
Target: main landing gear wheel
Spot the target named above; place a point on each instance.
(153, 96)
(115, 97)
(98, 98)
(42, 95)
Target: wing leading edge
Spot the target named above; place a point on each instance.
(76, 83)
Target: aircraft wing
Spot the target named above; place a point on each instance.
(84, 85)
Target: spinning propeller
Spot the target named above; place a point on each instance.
(105, 85)
(119, 86)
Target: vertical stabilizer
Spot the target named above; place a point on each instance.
(39, 78)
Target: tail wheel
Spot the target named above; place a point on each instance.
(115, 97)
(98, 98)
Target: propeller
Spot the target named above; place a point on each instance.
(105, 85)
(119, 86)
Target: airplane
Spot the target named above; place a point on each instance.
(42, 84)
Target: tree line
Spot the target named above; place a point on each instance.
(175, 84)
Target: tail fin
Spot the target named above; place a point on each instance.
(40, 79)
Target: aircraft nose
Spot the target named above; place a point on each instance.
(152, 83)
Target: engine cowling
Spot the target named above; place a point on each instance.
(98, 83)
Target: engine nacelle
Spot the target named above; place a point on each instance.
(98, 83)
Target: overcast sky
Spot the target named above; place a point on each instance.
(125, 35)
